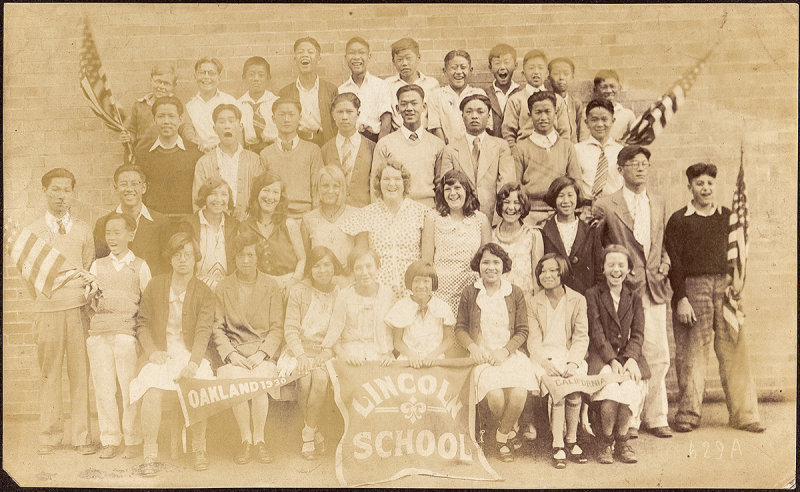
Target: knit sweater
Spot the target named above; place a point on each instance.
(296, 169)
(78, 247)
(116, 311)
(537, 167)
(170, 174)
(422, 158)
(249, 168)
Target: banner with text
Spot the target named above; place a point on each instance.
(561, 387)
(401, 421)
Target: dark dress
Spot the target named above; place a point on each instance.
(275, 253)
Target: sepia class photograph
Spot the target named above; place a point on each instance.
(425, 245)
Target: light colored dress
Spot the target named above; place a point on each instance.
(323, 232)
(422, 334)
(162, 376)
(455, 244)
(516, 371)
(357, 327)
(213, 266)
(519, 247)
(395, 238)
(306, 337)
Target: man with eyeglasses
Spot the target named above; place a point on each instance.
(152, 228)
(207, 72)
(636, 219)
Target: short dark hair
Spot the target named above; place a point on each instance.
(411, 88)
(208, 59)
(226, 107)
(472, 97)
(129, 168)
(346, 96)
(502, 49)
(318, 253)
(455, 175)
(210, 185)
(356, 39)
(495, 249)
(505, 191)
(259, 182)
(242, 240)
(629, 152)
(533, 54)
(700, 169)
(285, 100)
(599, 103)
(421, 268)
(559, 184)
(178, 241)
(563, 266)
(404, 44)
(606, 74)
(358, 252)
(307, 39)
(130, 222)
(256, 61)
(541, 96)
(616, 248)
(173, 100)
(561, 59)
(454, 53)
(58, 172)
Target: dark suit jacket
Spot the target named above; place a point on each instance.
(327, 92)
(615, 334)
(617, 228)
(468, 321)
(585, 259)
(197, 319)
(191, 225)
(148, 243)
(497, 111)
(495, 168)
(359, 186)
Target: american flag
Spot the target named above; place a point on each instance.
(650, 124)
(95, 88)
(737, 254)
(38, 263)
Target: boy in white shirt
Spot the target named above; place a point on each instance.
(207, 72)
(375, 117)
(406, 58)
(256, 105)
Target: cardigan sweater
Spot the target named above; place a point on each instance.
(468, 321)
(249, 168)
(576, 326)
(296, 309)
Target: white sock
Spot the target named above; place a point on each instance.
(308, 433)
(500, 437)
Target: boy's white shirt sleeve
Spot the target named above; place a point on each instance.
(93, 268)
(144, 276)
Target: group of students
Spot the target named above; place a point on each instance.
(383, 221)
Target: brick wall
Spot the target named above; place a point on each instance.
(747, 95)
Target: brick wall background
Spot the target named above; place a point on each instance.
(747, 96)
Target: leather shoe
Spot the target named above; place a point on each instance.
(633, 433)
(606, 456)
(263, 453)
(245, 454)
(624, 453)
(86, 449)
(200, 461)
(683, 427)
(756, 427)
(662, 432)
(109, 452)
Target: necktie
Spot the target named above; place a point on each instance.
(347, 156)
(287, 146)
(61, 228)
(259, 123)
(476, 153)
(601, 174)
(413, 137)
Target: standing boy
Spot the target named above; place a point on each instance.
(517, 123)
(256, 105)
(444, 117)
(315, 95)
(607, 87)
(207, 72)
(562, 71)
(295, 160)
(152, 228)
(111, 344)
(697, 242)
(169, 163)
(406, 58)
(502, 63)
(485, 159)
(349, 150)
(228, 161)
(60, 321)
(635, 218)
(375, 116)
(543, 156)
(413, 146)
(597, 155)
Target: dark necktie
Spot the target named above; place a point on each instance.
(413, 137)
(601, 174)
(61, 228)
(476, 154)
(259, 123)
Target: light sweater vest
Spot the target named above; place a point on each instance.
(119, 303)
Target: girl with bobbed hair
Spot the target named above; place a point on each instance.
(522, 242)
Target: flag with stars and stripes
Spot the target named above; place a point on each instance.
(649, 125)
(738, 243)
(95, 88)
(43, 266)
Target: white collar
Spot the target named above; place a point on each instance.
(204, 221)
(173, 297)
(222, 155)
(157, 144)
(303, 89)
(126, 259)
(545, 141)
(631, 196)
(367, 78)
(216, 95)
(511, 87)
(246, 97)
(407, 133)
(355, 139)
(531, 89)
(481, 138)
(505, 287)
(144, 211)
(421, 79)
(593, 141)
(690, 209)
(52, 221)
